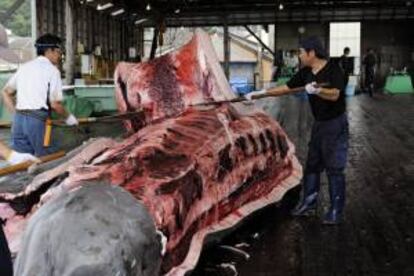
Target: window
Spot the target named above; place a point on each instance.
(343, 35)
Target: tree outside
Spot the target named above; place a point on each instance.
(19, 22)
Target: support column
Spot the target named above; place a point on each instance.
(226, 50)
(276, 64)
(70, 42)
(33, 18)
(141, 45)
(154, 43)
(275, 42)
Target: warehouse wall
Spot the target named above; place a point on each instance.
(288, 35)
(91, 28)
(394, 43)
(392, 40)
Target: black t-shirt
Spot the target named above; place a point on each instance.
(347, 65)
(370, 60)
(331, 74)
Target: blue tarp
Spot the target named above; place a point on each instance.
(240, 85)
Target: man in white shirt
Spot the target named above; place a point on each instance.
(38, 88)
(13, 157)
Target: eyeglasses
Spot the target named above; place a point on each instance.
(58, 50)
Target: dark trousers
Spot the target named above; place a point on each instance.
(6, 266)
(369, 80)
(346, 79)
(328, 149)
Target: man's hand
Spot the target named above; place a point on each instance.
(249, 96)
(18, 157)
(71, 120)
(313, 88)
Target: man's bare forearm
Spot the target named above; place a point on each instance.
(8, 99)
(59, 109)
(5, 151)
(330, 94)
(278, 91)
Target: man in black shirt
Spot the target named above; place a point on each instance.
(369, 63)
(329, 139)
(347, 64)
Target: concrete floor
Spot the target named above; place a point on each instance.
(377, 235)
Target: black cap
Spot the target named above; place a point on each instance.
(314, 43)
(48, 41)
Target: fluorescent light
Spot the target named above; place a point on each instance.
(88, 1)
(104, 6)
(117, 12)
(148, 7)
(140, 21)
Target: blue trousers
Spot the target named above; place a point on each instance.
(328, 148)
(28, 131)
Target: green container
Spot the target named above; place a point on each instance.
(399, 84)
(80, 107)
(5, 115)
(4, 77)
(101, 96)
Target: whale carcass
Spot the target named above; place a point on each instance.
(144, 205)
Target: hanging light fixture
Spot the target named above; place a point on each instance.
(148, 8)
(281, 6)
(117, 12)
(104, 6)
(140, 21)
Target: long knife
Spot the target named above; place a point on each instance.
(255, 97)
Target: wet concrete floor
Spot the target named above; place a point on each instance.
(377, 235)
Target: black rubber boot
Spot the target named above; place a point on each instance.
(337, 195)
(308, 204)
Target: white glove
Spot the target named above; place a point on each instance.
(254, 93)
(71, 120)
(311, 88)
(18, 157)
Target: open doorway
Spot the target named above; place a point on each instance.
(347, 34)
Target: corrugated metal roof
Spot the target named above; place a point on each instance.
(240, 12)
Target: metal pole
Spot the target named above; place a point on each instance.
(258, 39)
(275, 41)
(226, 45)
(70, 55)
(33, 16)
(154, 43)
